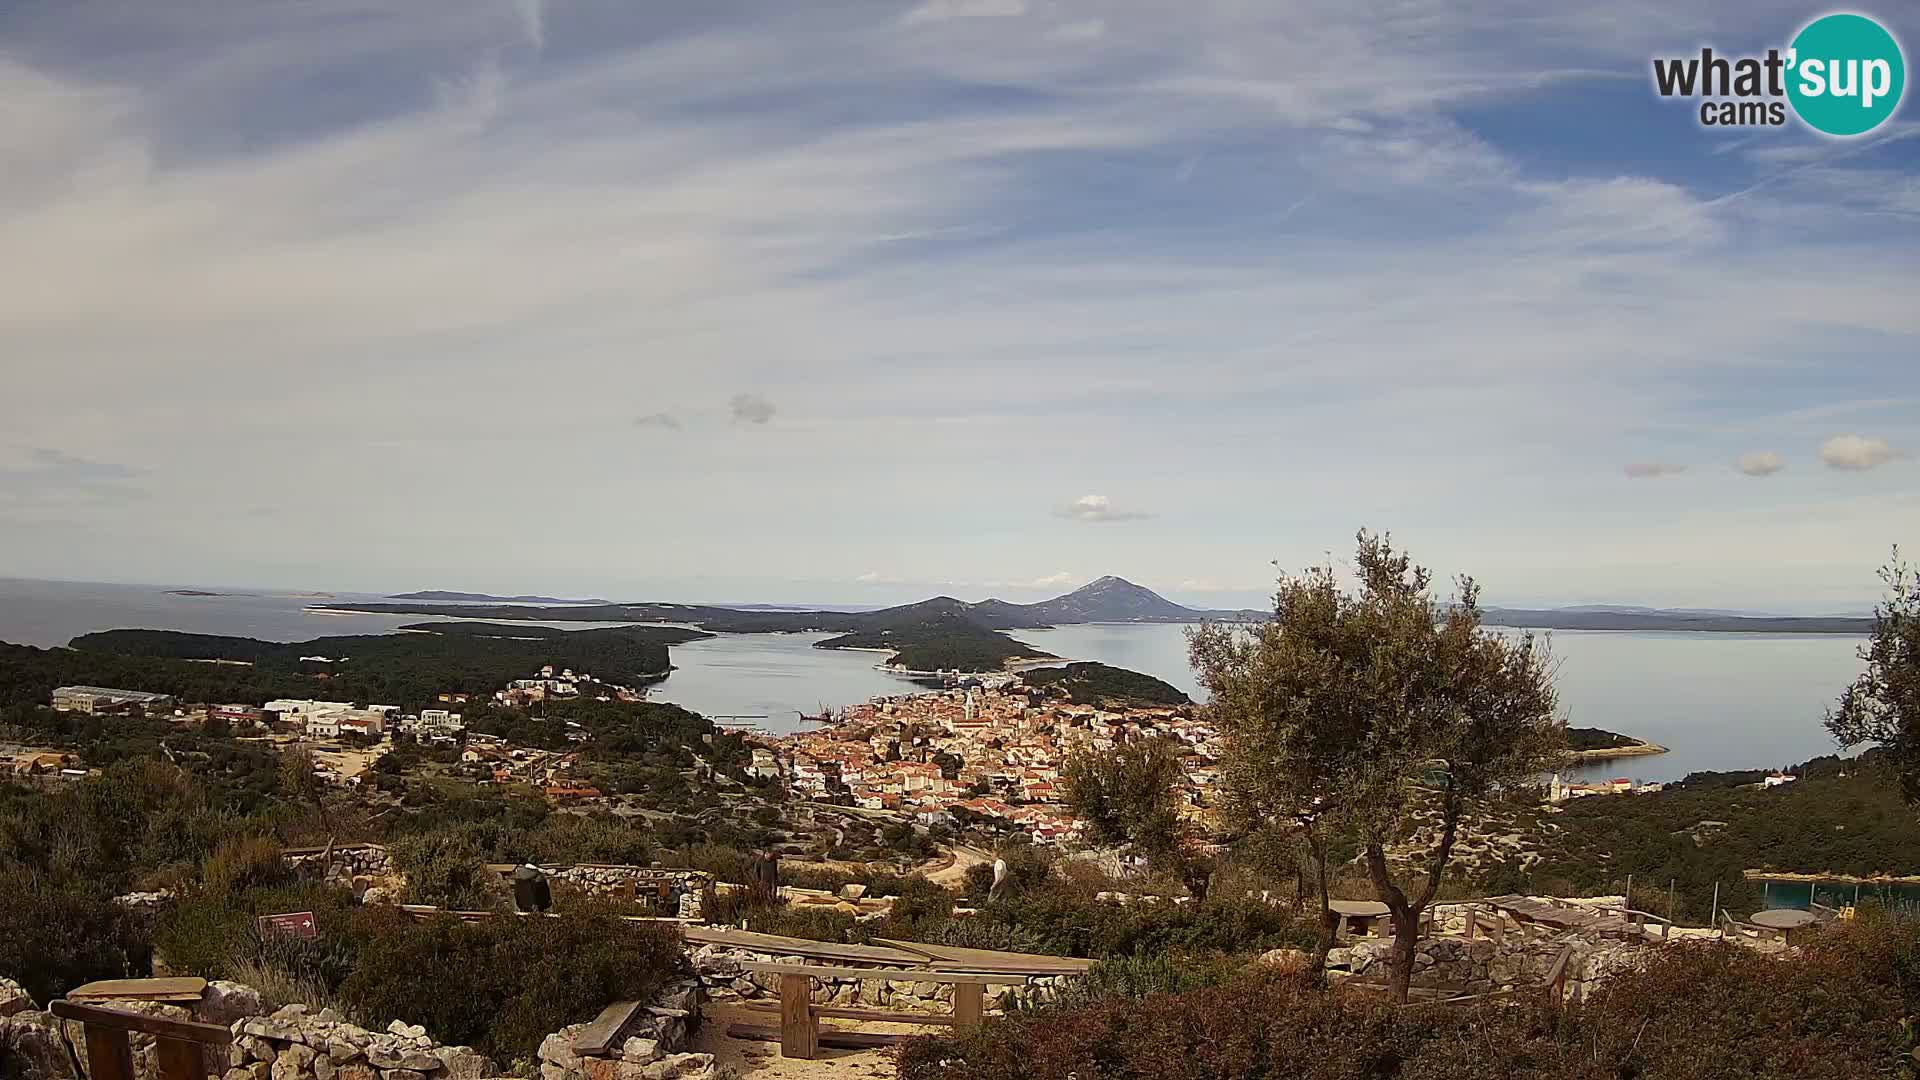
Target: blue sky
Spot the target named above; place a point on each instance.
(863, 301)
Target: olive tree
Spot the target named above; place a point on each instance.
(1368, 706)
(1130, 797)
(1882, 707)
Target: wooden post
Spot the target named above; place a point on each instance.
(799, 1030)
(1713, 919)
(969, 1005)
(180, 1060)
(109, 1055)
(1668, 932)
(1628, 904)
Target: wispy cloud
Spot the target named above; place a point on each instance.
(952, 242)
(44, 476)
(1760, 463)
(942, 10)
(1854, 453)
(750, 409)
(1098, 508)
(1648, 470)
(658, 420)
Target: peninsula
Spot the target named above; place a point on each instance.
(1598, 744)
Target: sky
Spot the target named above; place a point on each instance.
(852, 301)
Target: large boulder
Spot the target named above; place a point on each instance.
(464, 1063)
(224, 1002)
(14, 998)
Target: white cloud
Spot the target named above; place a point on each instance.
(1098, 508)
(942, 10)
(673, 208)
(1760, 463)
(1647, 470)
(750, 409)
(657, 420)
(1853, 453)
(1080, 30)
(533, 21)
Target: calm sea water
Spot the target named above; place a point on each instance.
(1717, 701)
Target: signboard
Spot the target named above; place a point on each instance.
(298, 924)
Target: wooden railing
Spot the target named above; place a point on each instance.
(180, 1046)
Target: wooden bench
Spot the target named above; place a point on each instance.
(800, 1034)
(179, 1045)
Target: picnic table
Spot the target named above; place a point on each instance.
(1356, 917)
(1783, 921)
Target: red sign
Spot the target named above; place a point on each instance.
(297, 924)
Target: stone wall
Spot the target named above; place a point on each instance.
(687, 889)
(36, 1045)
(651, 1047)
(294, 1044)
(347, 861)
(718, 967)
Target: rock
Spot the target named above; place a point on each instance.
(641, 1051)
(359, 1070)
(224, 1002)
(14, 998)
(1285, 961)
(341, 1051)
(551, 1071)
(404, 1074)
(268, 1029)
(261, 1070)
(687, 1066)
(291, 1062)
(406, 1030)
(464, 1063)
(323, 1068)
(557, 1048)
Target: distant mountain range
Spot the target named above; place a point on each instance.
(487, 598)
(1107, 600)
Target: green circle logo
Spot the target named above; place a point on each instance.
(1845, 74)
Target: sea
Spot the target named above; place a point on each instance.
(1716, 701)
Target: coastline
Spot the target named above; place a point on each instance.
(1640, 748)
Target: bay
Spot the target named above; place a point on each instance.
(1717, 701)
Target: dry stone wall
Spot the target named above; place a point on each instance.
(651, 1047)
(345, 862)
(719, 970)
(684, 890)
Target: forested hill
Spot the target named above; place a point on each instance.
(406, 669)
(939, 640)
(1104, 685)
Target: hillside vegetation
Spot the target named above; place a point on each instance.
(1104, 685)
(408, 669)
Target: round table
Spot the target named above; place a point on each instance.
(1356, 916)
(1785, 920)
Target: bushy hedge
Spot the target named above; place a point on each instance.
(502, 984)
(1692, 1013)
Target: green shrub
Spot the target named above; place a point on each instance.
(53, 940)
(244, 862)
(445, 869)
(1698, 1012)
(502, 984)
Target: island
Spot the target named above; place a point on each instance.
(935, 636)
(405, 669)
(1599, 744)
(1104, 686)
